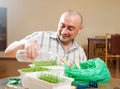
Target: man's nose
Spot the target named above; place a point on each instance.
(64, 31)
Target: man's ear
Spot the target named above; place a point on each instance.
(81, 27)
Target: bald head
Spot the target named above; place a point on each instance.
(73, 13)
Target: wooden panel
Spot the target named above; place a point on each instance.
(92, 47)
(9, 67)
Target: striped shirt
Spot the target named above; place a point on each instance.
(49, 42)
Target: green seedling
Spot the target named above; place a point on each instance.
(45, 63)
(33, 69)
(49, 78)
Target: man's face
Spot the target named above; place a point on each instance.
(68, 28)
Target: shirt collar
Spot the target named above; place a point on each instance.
(75, 45)
(54, 35)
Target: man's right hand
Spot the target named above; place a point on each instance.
(31, 49)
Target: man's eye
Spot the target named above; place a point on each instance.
(62, 26)
(70, 28)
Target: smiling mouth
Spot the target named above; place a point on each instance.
(64, 37)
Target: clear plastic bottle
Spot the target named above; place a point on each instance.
(20, 56)
(44, 55)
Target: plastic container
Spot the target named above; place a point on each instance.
(35, 83)
(59, 70)
(24, 79)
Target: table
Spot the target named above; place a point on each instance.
(112, 84)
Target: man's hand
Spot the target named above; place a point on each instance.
(31, 49)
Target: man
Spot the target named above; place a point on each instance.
(61, 42)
